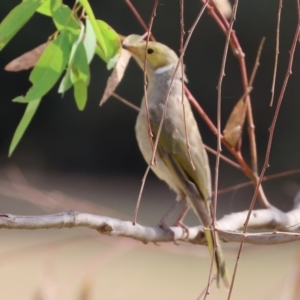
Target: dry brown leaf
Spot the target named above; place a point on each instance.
(118, 72)
(26, 60)
(116, 75)
(233, 129)
(224, 7)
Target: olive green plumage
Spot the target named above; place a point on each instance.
(173, 163)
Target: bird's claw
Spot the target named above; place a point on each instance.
(184, 228)
(166, 228)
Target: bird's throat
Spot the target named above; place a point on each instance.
(164, 69)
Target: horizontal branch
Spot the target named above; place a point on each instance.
(283, 225)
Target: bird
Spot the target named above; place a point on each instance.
(187, 175)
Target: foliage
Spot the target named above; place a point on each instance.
(70, 50)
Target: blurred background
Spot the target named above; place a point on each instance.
(89, 161)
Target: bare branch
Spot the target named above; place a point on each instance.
(126, 102)
(227, 227)
(276, 52)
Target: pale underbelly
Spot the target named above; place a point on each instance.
(160, 169)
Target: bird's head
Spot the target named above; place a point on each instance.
(159, 57)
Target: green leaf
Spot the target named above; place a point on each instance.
(111, 40)
(66, 82)
(16, 19)
(80, 93)
(25, 121)
(48, 68)
(88, 10)
(63, 17)
(89, 41)
(55, 4)
(76, 44)
(44, 9)
(80, 67)
(112, 62)
(19, 99)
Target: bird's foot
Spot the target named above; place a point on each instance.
(166, 228)
(185, 228)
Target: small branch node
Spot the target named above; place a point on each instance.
(105, 228)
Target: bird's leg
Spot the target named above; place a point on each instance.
(179, 220)
(162, 223)
(169, 213)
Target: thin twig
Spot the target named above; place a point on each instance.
(126, 102)
(204, 292)
(226, 159)
(150, 134)
(237, 50)
(276, 52)
(266, 178)
(256, 64)
(219, 89)
(152, 161)
(181, 4)
(248, 172)
(138, 16)
(271, 130)
(272, 127)
(140, 195)
(217, 165)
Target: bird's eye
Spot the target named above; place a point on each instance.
(150, 50)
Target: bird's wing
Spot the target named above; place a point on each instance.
(194, 183)
(173, 152)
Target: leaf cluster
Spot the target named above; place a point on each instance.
(66, 55)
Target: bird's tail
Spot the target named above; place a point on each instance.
(219, 261)
(203, 211)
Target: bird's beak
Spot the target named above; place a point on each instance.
(130, 48)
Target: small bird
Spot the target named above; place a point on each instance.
(173, 163)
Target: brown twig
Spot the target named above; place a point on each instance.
(276, 52)
(181, 4)
(217, 165)
(204, 292)
(271, 130)
(226, 159)
(152, 161)
(272, 127)
(237, 50)
(153, 14)
(126, 102)
(219, 89)
(138, 17)
(246, 169)
(266, 178)
(140, 195)
(256, 64)
(261, 193)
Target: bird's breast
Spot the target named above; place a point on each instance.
(146, 146)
